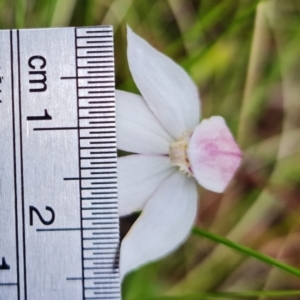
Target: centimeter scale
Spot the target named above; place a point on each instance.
(59, 227)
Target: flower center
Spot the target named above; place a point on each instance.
(178, 153)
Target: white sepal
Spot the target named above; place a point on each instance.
(139, 176)
(138, 130)
(164, 224)
(165, 86)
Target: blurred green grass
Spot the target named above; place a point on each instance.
(244, 56)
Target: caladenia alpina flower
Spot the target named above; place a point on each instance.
(173, 150)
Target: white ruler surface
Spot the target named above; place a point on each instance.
(59, 227)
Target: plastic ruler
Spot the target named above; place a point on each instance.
(59, 226)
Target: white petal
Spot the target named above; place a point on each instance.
(213, 154)
(166, 87)
(138, 130)
(138, 178)
(164, 224)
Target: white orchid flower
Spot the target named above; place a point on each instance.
(174, 153)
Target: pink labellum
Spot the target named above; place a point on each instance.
(213, 154)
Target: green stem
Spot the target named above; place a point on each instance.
(247, 251)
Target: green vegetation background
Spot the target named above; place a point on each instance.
(244, 56)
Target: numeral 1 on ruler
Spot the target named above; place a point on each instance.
(59, 215)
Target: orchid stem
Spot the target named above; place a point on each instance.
(247, 251)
